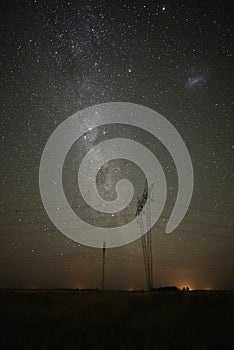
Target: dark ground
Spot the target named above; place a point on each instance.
(75, 320)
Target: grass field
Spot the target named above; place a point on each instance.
(75, 320)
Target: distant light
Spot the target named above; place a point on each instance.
(164, 8)
(185, 284)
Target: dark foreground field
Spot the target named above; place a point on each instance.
(116, 320)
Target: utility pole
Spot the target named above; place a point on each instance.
(103, 265)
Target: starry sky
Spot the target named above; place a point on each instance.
(58, 57)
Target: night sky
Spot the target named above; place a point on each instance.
(58, 57)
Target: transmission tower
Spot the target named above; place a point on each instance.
(103, 265)
(144, 208)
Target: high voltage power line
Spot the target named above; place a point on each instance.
(146, 242)
(135, 259)
(48, 230)
(41, 208)
(122, 216)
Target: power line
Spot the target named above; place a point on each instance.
(137, 259)
(216, 211)
(122, 216)
(156, 225)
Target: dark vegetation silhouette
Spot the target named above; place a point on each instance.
(91, 319)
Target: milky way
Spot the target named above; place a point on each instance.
(58, 57)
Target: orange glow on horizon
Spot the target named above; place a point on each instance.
(185, 285)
